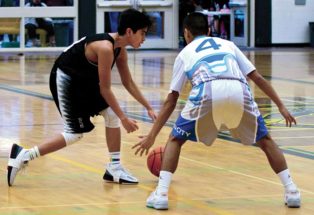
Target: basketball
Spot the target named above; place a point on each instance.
(154, 160)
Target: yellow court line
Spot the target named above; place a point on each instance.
(189, 202)
(234, 172)
(100, 172)
(242, 174)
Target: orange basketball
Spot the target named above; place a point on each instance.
(154, 160)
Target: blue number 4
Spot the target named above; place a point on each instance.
(207, 44)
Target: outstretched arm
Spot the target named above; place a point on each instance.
(271, 93)
(130, 85)
(105, 58)
(165, 112)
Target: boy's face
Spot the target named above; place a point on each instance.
(136, 39)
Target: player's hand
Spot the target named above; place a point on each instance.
(288, 117)
(144, 145)
(152, 114)
(130, 125)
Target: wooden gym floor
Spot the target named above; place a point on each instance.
(225, 179)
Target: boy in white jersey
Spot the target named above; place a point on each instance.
(220, 99)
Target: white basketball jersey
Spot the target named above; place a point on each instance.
(209, 58)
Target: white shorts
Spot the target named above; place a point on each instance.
(220, 105)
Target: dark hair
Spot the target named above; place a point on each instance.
(133, 19)
(196, 23)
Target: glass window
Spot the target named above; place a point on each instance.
(9, 3)
(239, 23)
(9, 32)
(48, 32)
(157, 28)
(58, 3)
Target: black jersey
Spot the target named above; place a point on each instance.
(73, 61)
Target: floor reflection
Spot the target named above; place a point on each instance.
(290, 71)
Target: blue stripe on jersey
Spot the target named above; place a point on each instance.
(208, 59)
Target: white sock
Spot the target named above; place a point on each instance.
(114, 158)
(286, 180)
(164, 182)
(31, 154)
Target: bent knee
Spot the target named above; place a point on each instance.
(111, 119)
(176, 140)
(265, 142)
(71, 138)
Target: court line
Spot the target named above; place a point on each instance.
(298, 152)
(100, 172)
(288, 80)
(132, 202)
(239, 173)
(88, 168)
(308, 152)
(25, 92)
(95, 170)
(190, 201)
(136, 116)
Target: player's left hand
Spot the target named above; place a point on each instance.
(152, 114)
(144, 145)
(288, 117)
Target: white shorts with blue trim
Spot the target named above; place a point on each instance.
(220, 105)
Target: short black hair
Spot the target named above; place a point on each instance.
(134, 19)
(196, 23)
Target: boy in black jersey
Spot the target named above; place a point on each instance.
(80, 83)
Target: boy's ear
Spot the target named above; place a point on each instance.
(187, 33)
(128, 32)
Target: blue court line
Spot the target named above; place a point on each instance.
(299, 153)
(288, 80)
(291, 151)
(25, 92)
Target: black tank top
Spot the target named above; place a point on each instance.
(73, 61)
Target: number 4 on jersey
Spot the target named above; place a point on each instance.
(207, 44)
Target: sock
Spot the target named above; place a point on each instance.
(286, 180)
(31, 154)
(164, 182)
(114, 158)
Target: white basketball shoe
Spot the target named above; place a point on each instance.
(157, 201)
(117, 174)
(16, 162)
(293, 198)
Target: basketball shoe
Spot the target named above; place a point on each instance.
(116, 173)
(16, 162)
(293, 198)
(157, 201)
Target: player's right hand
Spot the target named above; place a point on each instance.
(144, 145)
(130, 125)
(288, 117)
